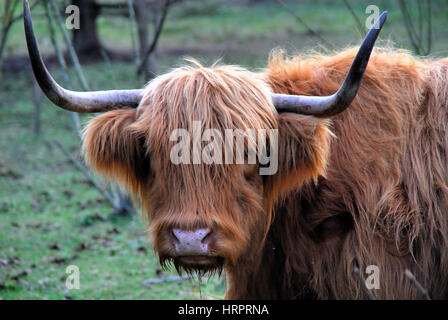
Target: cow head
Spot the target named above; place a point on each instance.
(205, 211)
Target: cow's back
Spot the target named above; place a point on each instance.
(384, 198)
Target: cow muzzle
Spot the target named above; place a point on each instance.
(192, 242)
(193, 249)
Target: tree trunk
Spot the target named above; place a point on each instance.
(142, 15)
(6, 23)
(37, 98)
(3, 35)
(85, 39)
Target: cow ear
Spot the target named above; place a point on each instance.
(112, 147)
(303, 149)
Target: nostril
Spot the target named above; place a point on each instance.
(174, 237)
(191, 242)
(191, 237)
(208, 237)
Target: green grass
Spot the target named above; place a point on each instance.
(46, 203)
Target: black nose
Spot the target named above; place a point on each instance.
(192, 242)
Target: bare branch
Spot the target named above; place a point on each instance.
(415, 41)
(156, 36)
(37, 98)
(300, 20)
(133, 26)
(8, 19)
(6, 23)
(71, 49)
(417, 284)
(121, 203)
(361, 27)
(416, 37)
(162, 280)
(85, 172)
(429, 8)
(20, 15)
(61, 61)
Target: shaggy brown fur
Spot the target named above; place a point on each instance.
(375, 194)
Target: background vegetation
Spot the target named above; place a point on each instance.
(52, 216)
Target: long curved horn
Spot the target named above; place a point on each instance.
(83, 102)
(326, 106)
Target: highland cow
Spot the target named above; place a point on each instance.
(364, 186)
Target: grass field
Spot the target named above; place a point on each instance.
(51, 216)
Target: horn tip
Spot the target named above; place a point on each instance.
(26, 10)
(383, 17)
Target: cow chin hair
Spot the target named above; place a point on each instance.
(216, 269)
